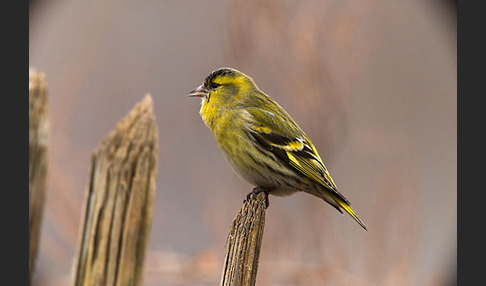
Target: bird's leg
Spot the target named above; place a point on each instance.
(258, 190)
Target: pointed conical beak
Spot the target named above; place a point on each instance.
(200, 91)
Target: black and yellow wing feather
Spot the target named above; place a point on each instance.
(274, 130)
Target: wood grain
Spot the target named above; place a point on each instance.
(244, 243)
(119, 199)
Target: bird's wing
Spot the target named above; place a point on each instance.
(278, 133)
(275, 131)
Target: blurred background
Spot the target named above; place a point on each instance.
(372, 82)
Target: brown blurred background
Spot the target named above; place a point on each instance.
(373, 84)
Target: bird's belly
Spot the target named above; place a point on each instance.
(276, 185)
(242, 166)
(261, 172)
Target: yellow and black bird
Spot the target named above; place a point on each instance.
(261, 142)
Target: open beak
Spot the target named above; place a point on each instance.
(200, 91)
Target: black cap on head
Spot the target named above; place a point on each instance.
(219, 72)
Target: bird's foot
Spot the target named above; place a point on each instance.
(258, 190)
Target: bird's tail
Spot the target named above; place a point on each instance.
(345, 205)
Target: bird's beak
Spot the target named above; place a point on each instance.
(200, 91)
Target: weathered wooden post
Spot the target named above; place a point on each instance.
(38, 141)
(244, 242)
(119, 198)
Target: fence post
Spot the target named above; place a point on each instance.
(118, 202)
(244, 242)
(38, 139)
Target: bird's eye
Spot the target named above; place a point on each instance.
(214, 85)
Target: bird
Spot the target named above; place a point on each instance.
(262, 142)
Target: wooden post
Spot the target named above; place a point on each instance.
(119, 199)
(38, 139)
(244, 242)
